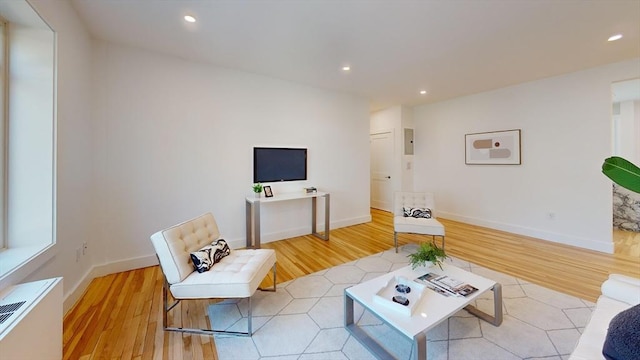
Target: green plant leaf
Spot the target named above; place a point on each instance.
(427, 252)
(622, 172)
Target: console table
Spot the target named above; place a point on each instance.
(253, 205)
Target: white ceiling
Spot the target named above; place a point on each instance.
(395, 48)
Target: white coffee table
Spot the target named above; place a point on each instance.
(432, 309)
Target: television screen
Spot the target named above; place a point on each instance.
(279, 164)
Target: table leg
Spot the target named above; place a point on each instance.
(248, 223)
(348, 310)
(420, 344)
(314, 214)
(497, 304)
(376, 349)
(256, 222)
(496, 319)
(327, 206)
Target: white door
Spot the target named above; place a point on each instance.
(381, 163)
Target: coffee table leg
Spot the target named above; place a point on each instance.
(496, 319)
(420, 344)
(369, 343)
(497, 304)
(348, 310)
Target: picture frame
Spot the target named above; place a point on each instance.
(267, 191)
(493, 148)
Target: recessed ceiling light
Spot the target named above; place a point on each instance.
(615, 37)
(189, 18)
(423, 92)
(346, 68)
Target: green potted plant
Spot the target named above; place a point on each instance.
(428, 254)
(257, 189)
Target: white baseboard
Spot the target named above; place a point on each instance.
(350, 222)
(289, 233)
(536, 233)
(76, 293)
(72, 297)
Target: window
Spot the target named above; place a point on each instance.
(3, 124)
(27, 99)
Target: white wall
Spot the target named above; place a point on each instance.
(566, 125)
(175, 139)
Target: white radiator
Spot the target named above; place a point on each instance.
(31, 320)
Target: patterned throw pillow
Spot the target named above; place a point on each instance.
(209, 255)
(202, 259)
(219, 249)
(424, 213)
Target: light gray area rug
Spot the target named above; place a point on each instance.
(304, 319)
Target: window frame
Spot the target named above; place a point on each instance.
(25, 248)
(4, 116)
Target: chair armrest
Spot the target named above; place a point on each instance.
(622, 288)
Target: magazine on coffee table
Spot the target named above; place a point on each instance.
(446, 285)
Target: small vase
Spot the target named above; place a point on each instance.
(257, 195)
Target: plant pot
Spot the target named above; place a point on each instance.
(425, 268)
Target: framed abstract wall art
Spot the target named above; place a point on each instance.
(493, 148)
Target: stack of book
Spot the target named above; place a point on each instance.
(446, 285)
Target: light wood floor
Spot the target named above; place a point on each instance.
(120, 315)
(626, 242)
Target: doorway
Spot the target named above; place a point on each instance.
(381, 151)
(626, 144)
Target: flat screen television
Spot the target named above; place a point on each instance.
(279, 164)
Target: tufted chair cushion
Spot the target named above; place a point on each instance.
(235, 276)
(175, 244)
(413, 200)
(415, 225)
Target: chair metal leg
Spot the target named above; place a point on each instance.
(433, 239)
(165, 303)
(249, 317)
(274, 281)
(165, 291)
(395, 240)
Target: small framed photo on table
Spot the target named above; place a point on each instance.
(268, 192)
